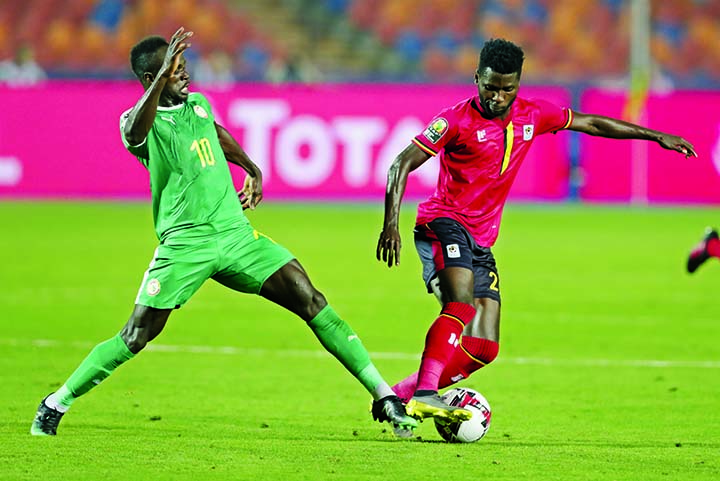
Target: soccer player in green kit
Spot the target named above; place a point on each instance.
(204, 234)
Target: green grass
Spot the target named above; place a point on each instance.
(591, 295)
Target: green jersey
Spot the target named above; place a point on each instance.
(189, 175)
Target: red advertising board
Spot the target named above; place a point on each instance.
(622, 171)
(329, 142)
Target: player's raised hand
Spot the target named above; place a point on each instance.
(251, 193)
(388, 247)
(678, 144)
(178, 45)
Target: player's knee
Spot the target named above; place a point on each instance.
(491, 355)
(307, 300)
(135, 339)
(486, 351)
(481, 351)
(136, 333)
(463, 311)
(312, 304)
(462, 297)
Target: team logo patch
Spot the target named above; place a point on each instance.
(481, 135)
(436, 130)
(453, 251)
(200, 111)
(528, 131)
(153, 287)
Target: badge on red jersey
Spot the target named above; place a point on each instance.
(436, 130)
(528, 131)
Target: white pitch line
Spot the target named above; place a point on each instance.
(403, 356)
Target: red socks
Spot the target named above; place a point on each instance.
(713, 247)
(440, 342)
(472, 354)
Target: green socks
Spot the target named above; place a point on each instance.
(338, 339)
(98, 365)
(333, 333)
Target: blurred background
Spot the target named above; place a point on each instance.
(321, 62)
(369, 40)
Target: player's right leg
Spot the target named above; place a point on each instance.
(446, 250)
(708, 247)
(144, 324)
(177, 270)
(478, 347)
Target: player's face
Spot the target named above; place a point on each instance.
(176, 89)
(497, 91)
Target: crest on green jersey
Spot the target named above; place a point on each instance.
(200, 111)
(153, 287)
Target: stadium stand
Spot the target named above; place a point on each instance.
(370, 40)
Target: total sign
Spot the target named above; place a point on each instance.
(338, 141)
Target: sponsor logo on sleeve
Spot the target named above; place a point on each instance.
(436, 130)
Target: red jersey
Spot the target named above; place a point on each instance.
(479, 159)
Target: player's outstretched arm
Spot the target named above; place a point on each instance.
(251, 193)
(142, 116)
(388, 247)
(619, 129)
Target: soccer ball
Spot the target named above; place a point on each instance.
(474, 428)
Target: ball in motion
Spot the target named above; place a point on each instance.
(474, 428)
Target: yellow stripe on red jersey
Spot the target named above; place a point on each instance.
(424, 148)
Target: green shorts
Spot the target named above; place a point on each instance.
(240, 258)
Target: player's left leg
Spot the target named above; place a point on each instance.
(264, 267)
(291, 288)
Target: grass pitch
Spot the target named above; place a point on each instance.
(609, 365)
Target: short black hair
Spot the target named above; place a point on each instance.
(501, 56)
(142, 55)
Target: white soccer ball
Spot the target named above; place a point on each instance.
(474, 428)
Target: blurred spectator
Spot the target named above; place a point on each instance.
(214, 70)
(22, 70)
(292, 68)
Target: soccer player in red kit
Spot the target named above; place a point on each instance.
(708, 247)
(480, 143)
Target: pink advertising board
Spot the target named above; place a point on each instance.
(330, 142)
(622, 171)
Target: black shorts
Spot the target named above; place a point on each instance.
(445, 243)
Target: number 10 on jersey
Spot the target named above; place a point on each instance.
(204, 152)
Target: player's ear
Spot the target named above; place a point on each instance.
(147, 79)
